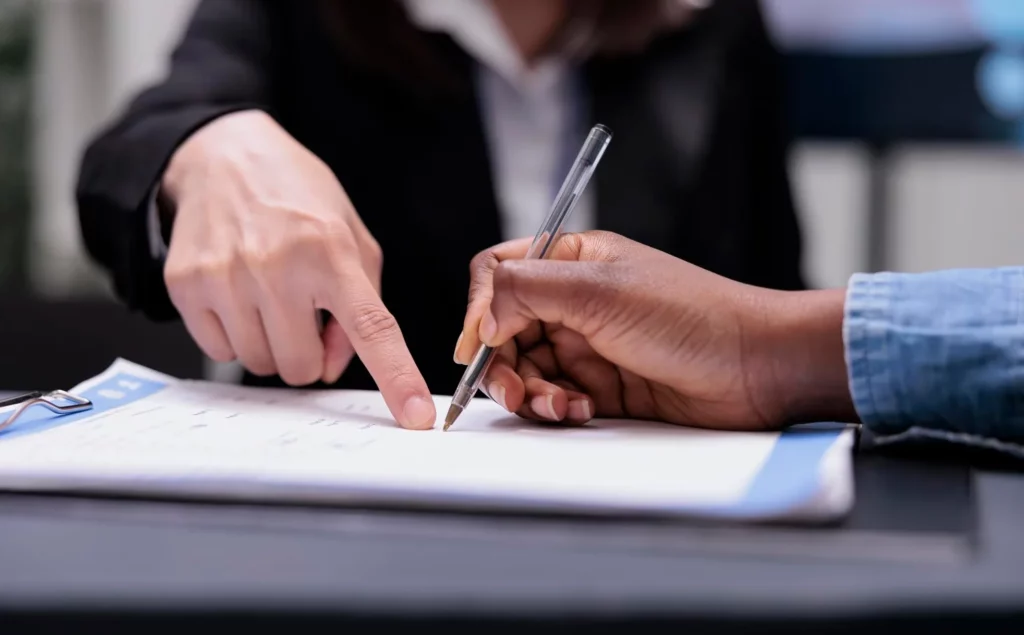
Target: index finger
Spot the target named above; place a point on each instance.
(377, 339)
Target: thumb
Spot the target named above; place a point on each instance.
(582, 296)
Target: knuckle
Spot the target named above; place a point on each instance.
(600, 235)
(374, 324)
(207, 267)
(571, 243)
(503, 278)
(508, 272)
(262, 259)
(185, 278)
(333, 242)
(333, 231)
(479, 281)
(483, 261)
(176, 276)
(373, 261)
(305, 239)
(601, 245)
(504, 292)
(374, 253)
(319, 240)
(179, 271)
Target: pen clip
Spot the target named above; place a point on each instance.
(49, 400)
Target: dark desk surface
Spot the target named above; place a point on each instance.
(112, 556)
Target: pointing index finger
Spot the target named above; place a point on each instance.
(378, 340)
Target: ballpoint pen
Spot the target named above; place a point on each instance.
(572, 188)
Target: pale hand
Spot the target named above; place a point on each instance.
(264, 237)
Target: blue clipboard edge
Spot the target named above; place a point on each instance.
(809, 474)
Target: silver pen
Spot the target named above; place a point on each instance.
(575, 182)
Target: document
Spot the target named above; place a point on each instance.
(153, 435)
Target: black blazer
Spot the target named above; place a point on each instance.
(697, 167)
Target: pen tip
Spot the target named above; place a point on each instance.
(453, 413)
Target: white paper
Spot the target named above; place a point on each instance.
(225, 441)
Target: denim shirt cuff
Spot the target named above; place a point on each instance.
(938, 355)
(869, 362)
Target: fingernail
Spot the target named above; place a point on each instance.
(497, 393)
(544, 405)
(419, 413)
(488, 328)
(579, 410)
(455, 355)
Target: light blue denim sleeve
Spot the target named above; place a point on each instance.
(939, 355)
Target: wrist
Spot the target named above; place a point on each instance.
(204, 148)
(800, 358)
(186, 161)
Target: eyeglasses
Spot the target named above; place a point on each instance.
(57, 401)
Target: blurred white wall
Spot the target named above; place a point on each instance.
(948, 206)
(92, 55)
(953, 206)
(956, 207)
(831, 190)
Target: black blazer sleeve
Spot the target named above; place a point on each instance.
(221, 65)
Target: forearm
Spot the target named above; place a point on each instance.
(941, 351)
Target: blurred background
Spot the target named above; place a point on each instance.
(909, 117)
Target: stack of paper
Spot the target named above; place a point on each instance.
(153, 435)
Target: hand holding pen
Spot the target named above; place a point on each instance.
(565, 202)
